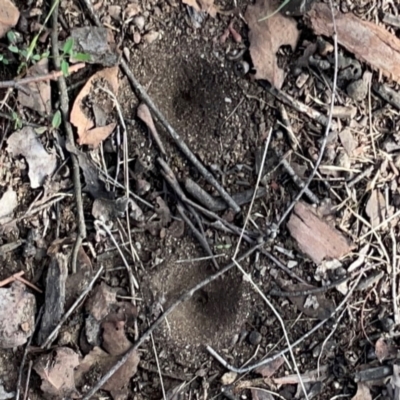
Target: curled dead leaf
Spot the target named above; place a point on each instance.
(266, 37)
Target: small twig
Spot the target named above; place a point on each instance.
(64, 107)
(300, 293)
(296, 343)
(202, 240)
(294, 142)
(358, 178)
(144, 114)
(133, 283)
(185, 296)
(297, 180)
(54, 75)
(28, 343)
(394, 277)
(28, 378)
(11, 278)
(71, 310)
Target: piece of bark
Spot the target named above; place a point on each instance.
(368, 42)
(55, 295)
(314, 236)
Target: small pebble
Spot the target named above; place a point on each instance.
(136, 38)
(255, 338)
(139, 22)
(151, 37)
(387, 324)
(358, 90)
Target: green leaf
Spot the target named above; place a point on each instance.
(68, 45)
(46, 54)
(81, 57)
(56, 121)
(13, 48)
(41, 130)
(65, 68)
(36, 57)
(5, 61)
(23, 53)
(11, 36)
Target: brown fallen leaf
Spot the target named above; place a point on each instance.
(314, 236)
(266, 37)
(9, 16)
(384, 351)
(57, 372)
(369, 42)
(17, 309)
(79, 116)
(116, 343)
(206, 6)
(363, 392)
(376, 208)
(267, 370)
(39, 95)
(100, 302)
(41, 164)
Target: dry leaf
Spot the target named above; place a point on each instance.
(9, 16)
(100, 301)
(57, 372)
(267, 370)
(367, 41)
(309, 376)
(266, 37)
(375, 208)
(363, 392)
(384, 351)
(8, 202)
(79, 118)
(39, 97)
(41, 164)
(206, 6)
(348, 141)
(314, 236)
(17, 309)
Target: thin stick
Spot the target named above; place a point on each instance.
(11, 278)
(132, 280)
(327, 128)
(54, 75)
(260, 174)
(202, 240)
(300, 293)
(278, 316)
(141, 93)
(21, 367)
(28, 378)
(64, 107)
(394, 277)
(71, 310)
(296, 343)
(185, 296)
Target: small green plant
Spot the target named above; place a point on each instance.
(56, 121)
(68, 53)
(17, 120)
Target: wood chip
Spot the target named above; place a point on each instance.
(314, 236)
(369, 42)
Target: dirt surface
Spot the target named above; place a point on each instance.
(224, 116)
